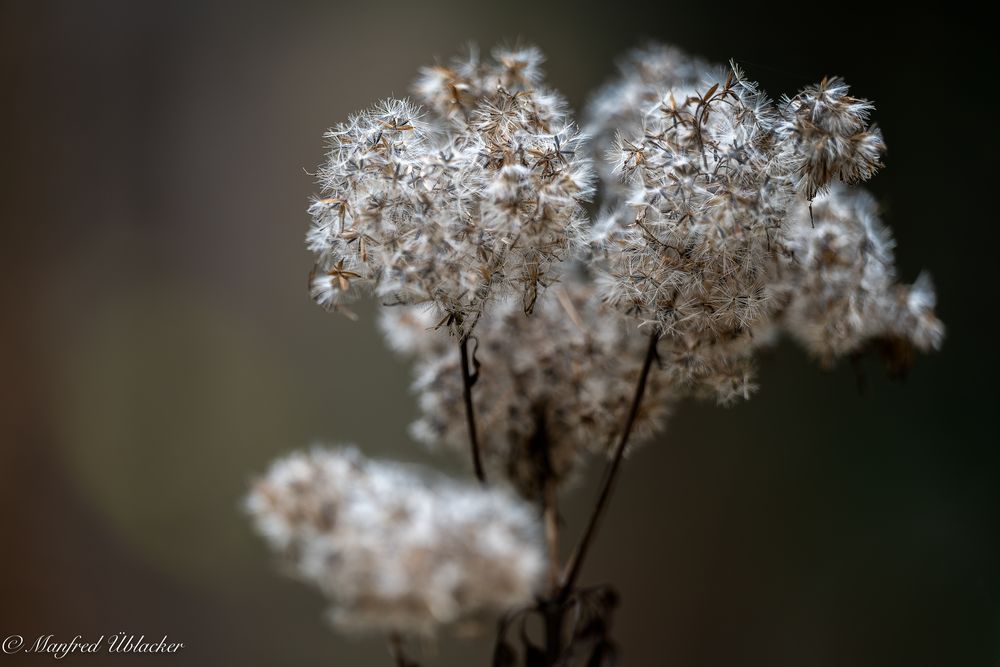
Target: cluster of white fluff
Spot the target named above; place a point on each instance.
(620, 105)
(703, 221)
(825, 136)
(552, 387)
(837, 280)
(394, 550)
(473, 199)
(727, 218)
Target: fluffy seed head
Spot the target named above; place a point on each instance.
(474, 199)
(839, 280)
(826, 137)
(393, 550)
(552, 388)
(709, 237)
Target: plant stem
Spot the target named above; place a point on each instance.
(396, 649)
(548, 496)
(470, 415)
(553, 613)
(550, 609)
(575, 563)
(551, 519)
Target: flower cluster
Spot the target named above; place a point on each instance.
(552, 387)
(393, 550)
(728, 219)
(838, 279)
(620, 105)
(476, 198)
(825, 136)
(704, 206)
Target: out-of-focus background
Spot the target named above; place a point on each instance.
(159, 346)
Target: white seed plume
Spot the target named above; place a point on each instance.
(393, 551)
(838, 277)
(825, 136)
(621, 104)
(728, 219)
(552, 387)
(709, 176)
(476, 198)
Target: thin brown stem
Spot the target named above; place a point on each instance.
(550, 609)
(470, 414)
(396, 650)
(554, 620)
(575, 563)
(551, 519)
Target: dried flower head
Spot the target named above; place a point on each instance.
(728, 220)
(392, 550)
(476, 199)
(839, 280)
(712, 175)
(620, 105)
(826, 136)
(551, 388)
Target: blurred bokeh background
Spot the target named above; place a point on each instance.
(159, 346)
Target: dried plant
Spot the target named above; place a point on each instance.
(475, 200)
(727, 219)
(472, 200)
(552, 387)
(394, 550)
(836, 283)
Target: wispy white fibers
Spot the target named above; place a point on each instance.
(472, 197)
(710, 236)
(838, 278)
(726, 218)
(392, 549)
(552, 387)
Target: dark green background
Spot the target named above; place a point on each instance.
(159, 347)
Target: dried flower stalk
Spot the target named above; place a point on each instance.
(727, 219)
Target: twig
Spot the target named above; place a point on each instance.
(553, 612)
(396, 650)
(548, 498)
(470, 415)
(575, 563)
(550, 609)
(551, 517)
